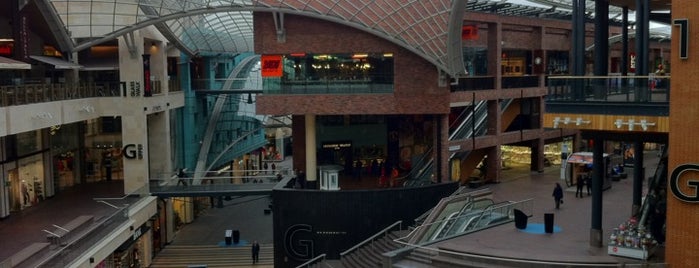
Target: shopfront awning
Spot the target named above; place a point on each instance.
(57, 63)
(10, 64)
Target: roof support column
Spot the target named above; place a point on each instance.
(578, 53)
(624, 43)
(601, 38)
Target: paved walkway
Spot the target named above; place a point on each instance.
(246, 214)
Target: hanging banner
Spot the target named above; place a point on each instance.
(271, 65)
(147, 90)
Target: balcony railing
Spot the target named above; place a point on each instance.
(488, 82)
(375, 85)
(38, 93)
(636, 89)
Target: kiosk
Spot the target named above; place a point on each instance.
(329, 177)
(576, 162)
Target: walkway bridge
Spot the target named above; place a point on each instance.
(217, 184)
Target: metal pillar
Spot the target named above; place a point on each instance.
(638, 176)
(597, 183)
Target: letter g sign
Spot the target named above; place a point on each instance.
(692, 182)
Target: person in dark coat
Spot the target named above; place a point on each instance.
(558, 195)
(588, 183)
(255, 252)
(579, 185)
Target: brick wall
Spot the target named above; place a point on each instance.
(416, 88)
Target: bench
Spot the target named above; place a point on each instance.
(61, 233)
(27, 252)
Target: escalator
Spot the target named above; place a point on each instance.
(470, 123)
(656, 183)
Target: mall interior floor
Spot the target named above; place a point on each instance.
(247, 215)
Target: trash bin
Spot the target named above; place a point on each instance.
(548, 223)
(236, 236)
(229, 234)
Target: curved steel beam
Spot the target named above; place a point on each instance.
(209, 10)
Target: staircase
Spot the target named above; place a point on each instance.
(212, 256)
(369, 255)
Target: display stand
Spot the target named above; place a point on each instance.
(636, 253)
(329, 177)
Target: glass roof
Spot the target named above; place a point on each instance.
(226, 25)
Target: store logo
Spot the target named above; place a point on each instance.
(693, 196)
(133, 151)
(297, 242)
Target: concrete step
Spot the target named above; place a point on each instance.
(179, 256)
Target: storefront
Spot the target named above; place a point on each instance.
(65, 147)
(133, 252)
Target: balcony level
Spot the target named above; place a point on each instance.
(619, 104)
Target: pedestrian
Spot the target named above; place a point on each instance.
(579, 186)
(358, 170)
(107, 163)
(274, 167)
(264, 166)
(588, 183)
(255, 252)
(181, 175)
(558, 195)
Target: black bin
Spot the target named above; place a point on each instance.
(236, 236)
(228, 237)
(548, 223)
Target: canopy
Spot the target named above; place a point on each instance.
(10, 64)
(582, 158)
(57, 63)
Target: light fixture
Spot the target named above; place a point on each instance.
(567, 121)
(580, 121)
(632, 122)
(645, 124)
(618, 123)
(556, 120)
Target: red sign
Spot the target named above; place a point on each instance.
(469, 32)
(632, 62)
(5, 50)
(271, 65)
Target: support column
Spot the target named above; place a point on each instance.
(158, 127)
(311, 158)
(639, 172)
(597, 183)
(134, 137)
(601, 65)
(442, 174)
(624, 44)
(578, 53)
(537, 155)
(495, 40)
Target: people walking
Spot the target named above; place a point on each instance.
(181, 175)
(579, 186)
(255, 252)
(588, 183)
(558, 195)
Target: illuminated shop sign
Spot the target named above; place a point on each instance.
(271, 65)
(337, 145)
(691, 182)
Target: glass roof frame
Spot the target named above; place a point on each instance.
(426, 28)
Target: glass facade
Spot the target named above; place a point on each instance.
(333, 74)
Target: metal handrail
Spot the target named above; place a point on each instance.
(370, 239)
(312, 261)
